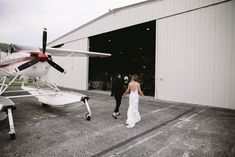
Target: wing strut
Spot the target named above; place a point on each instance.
(5, 86)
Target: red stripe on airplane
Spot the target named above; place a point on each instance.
(13, 61)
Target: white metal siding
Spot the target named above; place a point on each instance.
(133, 15)
(76, 67)
(232, 85)
(195, 57)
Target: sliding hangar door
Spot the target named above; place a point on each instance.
(195, 57)
(133, 52)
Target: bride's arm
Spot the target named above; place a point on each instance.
(127, 91)
(140, 91)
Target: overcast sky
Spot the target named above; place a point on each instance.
(22, 21)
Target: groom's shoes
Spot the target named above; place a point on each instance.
(118, 114)
(114, 116)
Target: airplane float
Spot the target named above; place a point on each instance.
(28, 64)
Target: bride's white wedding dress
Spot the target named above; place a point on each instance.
(133, 115)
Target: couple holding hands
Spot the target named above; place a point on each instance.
(133, 115)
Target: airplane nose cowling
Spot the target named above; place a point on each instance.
(42, 57)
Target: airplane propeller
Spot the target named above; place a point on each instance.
(42, 57)
(44, 40)
(56, 66)
(27, 64)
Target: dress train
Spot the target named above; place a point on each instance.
(133, 115)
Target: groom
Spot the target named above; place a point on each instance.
(117, 91)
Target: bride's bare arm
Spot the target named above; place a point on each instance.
(140, 91)
(127, 91)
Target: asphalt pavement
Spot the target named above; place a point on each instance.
(165, 130)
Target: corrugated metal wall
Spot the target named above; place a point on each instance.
(133, 15)
(196, 58)
(76, 67)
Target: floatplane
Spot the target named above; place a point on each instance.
(30, 64)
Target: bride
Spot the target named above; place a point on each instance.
(133, 115)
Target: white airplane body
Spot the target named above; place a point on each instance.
(27, 64)
(10, 62)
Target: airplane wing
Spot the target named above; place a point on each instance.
(59, 52)
(66, 52)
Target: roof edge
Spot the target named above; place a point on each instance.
(111, 11)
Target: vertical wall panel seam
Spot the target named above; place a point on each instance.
(156, 60)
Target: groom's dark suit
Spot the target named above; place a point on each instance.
(117, 92)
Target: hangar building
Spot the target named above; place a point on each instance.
(183, 50)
